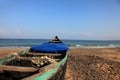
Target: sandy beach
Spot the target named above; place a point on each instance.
(93, 64)
(86, 63)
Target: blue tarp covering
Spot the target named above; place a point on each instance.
(50, 47)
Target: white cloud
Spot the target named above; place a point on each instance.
(18, 31)
(1, 30)
(86, 34)
(10, 33)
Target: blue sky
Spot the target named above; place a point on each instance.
(69, 19)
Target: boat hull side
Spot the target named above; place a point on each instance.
(56, 73)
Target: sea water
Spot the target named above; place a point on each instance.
(4, 43)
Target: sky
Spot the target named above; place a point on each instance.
(68, 19)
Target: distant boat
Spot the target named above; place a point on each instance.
(43, 62)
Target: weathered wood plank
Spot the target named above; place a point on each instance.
(44, 54)
(41, 71)
(17, 68)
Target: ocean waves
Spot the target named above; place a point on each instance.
(69, 43)
(93, 46)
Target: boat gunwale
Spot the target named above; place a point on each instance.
(49, 73)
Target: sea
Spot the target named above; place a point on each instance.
(5, 43)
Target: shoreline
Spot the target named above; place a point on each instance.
(14, 47)
(11, 47)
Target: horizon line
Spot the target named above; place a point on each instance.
(68, 39)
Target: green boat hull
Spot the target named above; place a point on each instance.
(55, 73)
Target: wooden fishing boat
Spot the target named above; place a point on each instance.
(44, 62)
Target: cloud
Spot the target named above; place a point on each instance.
(10, 33)
(18, 31)
(86, 34)
(3, 31)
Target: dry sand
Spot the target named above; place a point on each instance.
(87, 63)
(4, 52)
(93, 64)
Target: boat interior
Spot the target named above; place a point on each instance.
(26, 65)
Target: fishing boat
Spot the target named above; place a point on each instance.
(42, 62)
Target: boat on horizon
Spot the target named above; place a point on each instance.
(43, 62)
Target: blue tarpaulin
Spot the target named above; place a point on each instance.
(50, 47)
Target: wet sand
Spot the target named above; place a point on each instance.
(87, 63)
